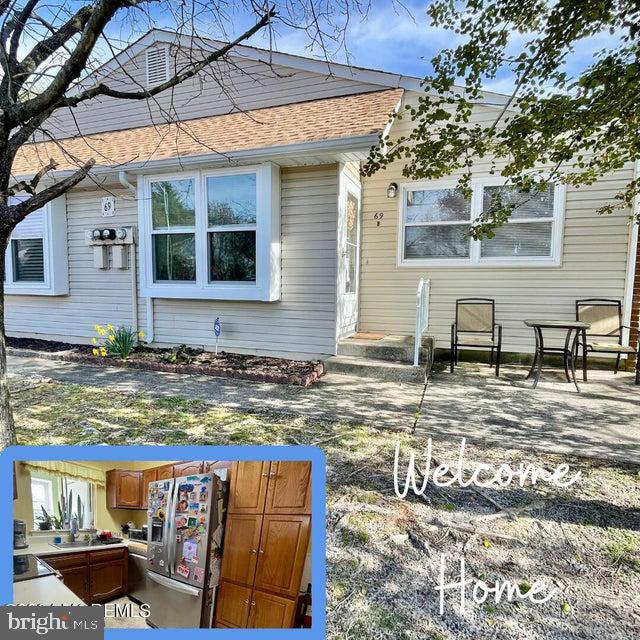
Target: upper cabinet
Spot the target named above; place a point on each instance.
(148, 475)
(124, 489)
(165, 473)
(270, 487)
(187, 469)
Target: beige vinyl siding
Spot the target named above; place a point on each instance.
(221, 89)
(95, 296)
(593, 264)
(301, 324)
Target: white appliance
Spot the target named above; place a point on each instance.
(184, 549)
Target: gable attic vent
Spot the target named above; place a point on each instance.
(157, 65)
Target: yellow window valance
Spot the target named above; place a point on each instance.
(75, 470)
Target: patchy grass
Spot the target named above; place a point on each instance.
(383, 553)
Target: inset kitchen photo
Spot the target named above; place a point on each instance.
(167, 544)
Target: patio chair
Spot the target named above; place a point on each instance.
(475, 327)
(605, 333)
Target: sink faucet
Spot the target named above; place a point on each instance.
(73, 530)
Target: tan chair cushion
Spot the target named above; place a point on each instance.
(476, 340)
(603, 318)
(475, 316)
(609, 347)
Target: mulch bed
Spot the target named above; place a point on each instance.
(223, 365)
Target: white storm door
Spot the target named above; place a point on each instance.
(349, 259)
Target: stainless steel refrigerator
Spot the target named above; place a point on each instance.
(184, 551)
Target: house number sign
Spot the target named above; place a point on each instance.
(108, 207)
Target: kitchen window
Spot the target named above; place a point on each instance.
(41, 497)
(36, 256)
(212, 234)
(49, 491)
(435, 222)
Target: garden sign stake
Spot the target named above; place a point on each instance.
(216, 330)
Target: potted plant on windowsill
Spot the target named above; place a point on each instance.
(45, 521)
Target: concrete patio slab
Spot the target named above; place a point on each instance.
(602, 421)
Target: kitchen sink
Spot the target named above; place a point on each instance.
(82, 543)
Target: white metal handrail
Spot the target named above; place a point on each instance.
(422, 317)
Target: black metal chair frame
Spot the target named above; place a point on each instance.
(496, 346)
(586, 349)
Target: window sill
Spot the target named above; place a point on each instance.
(236, 291)
(33, 290)
(483, 264)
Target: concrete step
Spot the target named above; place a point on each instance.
(375, 368)
(393, 348)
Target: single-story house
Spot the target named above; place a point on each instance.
(249, 207)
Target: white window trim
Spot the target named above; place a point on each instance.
(54, 248)
(48, 484)
(475, 259)
(266, 287)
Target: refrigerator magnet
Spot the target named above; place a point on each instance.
(181, 523)
(192, 522)
(205, 479)
(193, 505)
(183, 505)
(192, 496)
(160, 514)
(198, 574)
(189, 551)
(183, 570)
(203, 508)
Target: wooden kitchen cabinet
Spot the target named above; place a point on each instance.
(268, 611)
(289, 488)
(187, 469)
(248, 489)
(164, 473)
(148, 475)
(76, 579)
(242, 540)
(232, 606)
(94, 576)
(283, 548)
(124, 489)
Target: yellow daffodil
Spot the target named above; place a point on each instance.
(103, 352)
(110, 327)
(140, 334)
(112, 338)
(95, 352)
(97, 327)
(94, 341)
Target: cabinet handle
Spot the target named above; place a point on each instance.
(273, 474)
(253, 603)
(265, 475)
(246, 602)
(254, 551)
(261, 550)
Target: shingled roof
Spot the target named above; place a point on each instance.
(318, 120)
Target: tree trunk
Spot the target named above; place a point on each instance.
(7, 425)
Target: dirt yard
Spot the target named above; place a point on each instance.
(384, 553)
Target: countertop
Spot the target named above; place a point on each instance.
(45, 548)
(48, 590)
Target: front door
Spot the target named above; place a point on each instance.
(348, 257)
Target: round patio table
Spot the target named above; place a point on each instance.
(569, 350)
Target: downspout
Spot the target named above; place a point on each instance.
(124, 181)
(630, 284)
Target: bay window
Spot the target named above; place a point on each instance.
(436, 219)
(212, 234)
(36, 256)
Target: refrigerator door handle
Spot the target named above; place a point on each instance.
(173, 584)
(171, 518)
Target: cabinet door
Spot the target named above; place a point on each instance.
(242, 539)
(128, 493)
(283, 549)
(76, 579)
(271, 612)
(148, 475)
(187, 469)
(106, 580)
(289, 488)
(232, 606)
(164, 473)
(248, 486)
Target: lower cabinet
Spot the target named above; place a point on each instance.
(94, 576)
(242, 607)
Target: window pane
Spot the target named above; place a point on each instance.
(28, 260)
(519, 239)
(530, 205)
(231, 199)
(174, 257)
(350, 284)
(232, 256)
(443, 205)
(173, 204)
(447, 241)
(352, 218)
